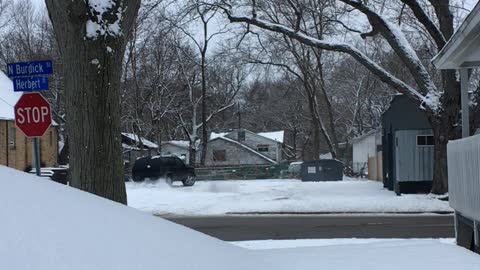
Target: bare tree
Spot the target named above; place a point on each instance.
(92, 36)
(440, 102)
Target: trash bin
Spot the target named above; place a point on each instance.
(322, 170)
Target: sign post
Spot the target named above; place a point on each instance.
(33, 115)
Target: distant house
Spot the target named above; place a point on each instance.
(15, 148)
(132, 149)
(365, 150)
(407, 147)
(177, 148)
(243, 147)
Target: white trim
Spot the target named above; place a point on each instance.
(459, 42)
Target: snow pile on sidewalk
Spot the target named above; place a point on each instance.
(46, 226)
(276, 196)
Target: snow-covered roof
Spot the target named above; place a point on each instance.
(182, 144)
(277, 136)
(462, 48)
(129, 147)
(248, 149)
(372, 132)
(8, 98)
(215, 135)
(145, 142)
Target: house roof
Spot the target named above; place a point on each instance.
(8, 98)
(181, 144)
(277, 136)
(134, 137)
(215, 135)
(247, 148)
(372, 132)
(462, 48)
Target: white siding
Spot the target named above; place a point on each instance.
(464, 176)
(169, 149)
(362, 150)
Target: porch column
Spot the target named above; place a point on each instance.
(464, 81)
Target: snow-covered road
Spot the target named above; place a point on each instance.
(276, 196)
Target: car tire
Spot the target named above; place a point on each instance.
(189, 181)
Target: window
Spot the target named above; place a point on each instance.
(241, 136)
(312, 170)
(219, 155)
(262, 148)
(425, 140)
(11, 138)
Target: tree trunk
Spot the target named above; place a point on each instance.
(313, 152)
(204, 111)
(444, 129)
(440, 171)
(92, 92)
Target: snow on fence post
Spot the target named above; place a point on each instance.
(464, 176)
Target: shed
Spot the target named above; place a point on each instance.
(408, 147)
(365, 147)
(322, 170)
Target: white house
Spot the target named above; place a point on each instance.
(364, 147)
(243, 147)
(177, 148)
(462, 53)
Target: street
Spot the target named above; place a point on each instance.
(238, 228)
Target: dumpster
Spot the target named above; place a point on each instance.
(322, 170)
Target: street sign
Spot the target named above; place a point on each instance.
(24, 69)
(33, 115)
(30, 84)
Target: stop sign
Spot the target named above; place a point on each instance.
(33, 115)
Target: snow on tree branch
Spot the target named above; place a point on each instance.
(400, 45)
(373, 67)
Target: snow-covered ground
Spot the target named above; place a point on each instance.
(300, 243)
(276, 196)
(45, 226)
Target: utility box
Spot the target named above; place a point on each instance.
(322, 170)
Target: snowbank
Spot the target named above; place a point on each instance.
(45, 226)
(276, 196)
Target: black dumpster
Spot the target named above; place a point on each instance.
(322, 170)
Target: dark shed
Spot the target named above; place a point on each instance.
(322, 170)
(407, 147)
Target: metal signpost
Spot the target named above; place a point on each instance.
(32, 112)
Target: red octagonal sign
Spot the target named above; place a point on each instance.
(33, 115)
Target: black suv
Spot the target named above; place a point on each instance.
(171, 167)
